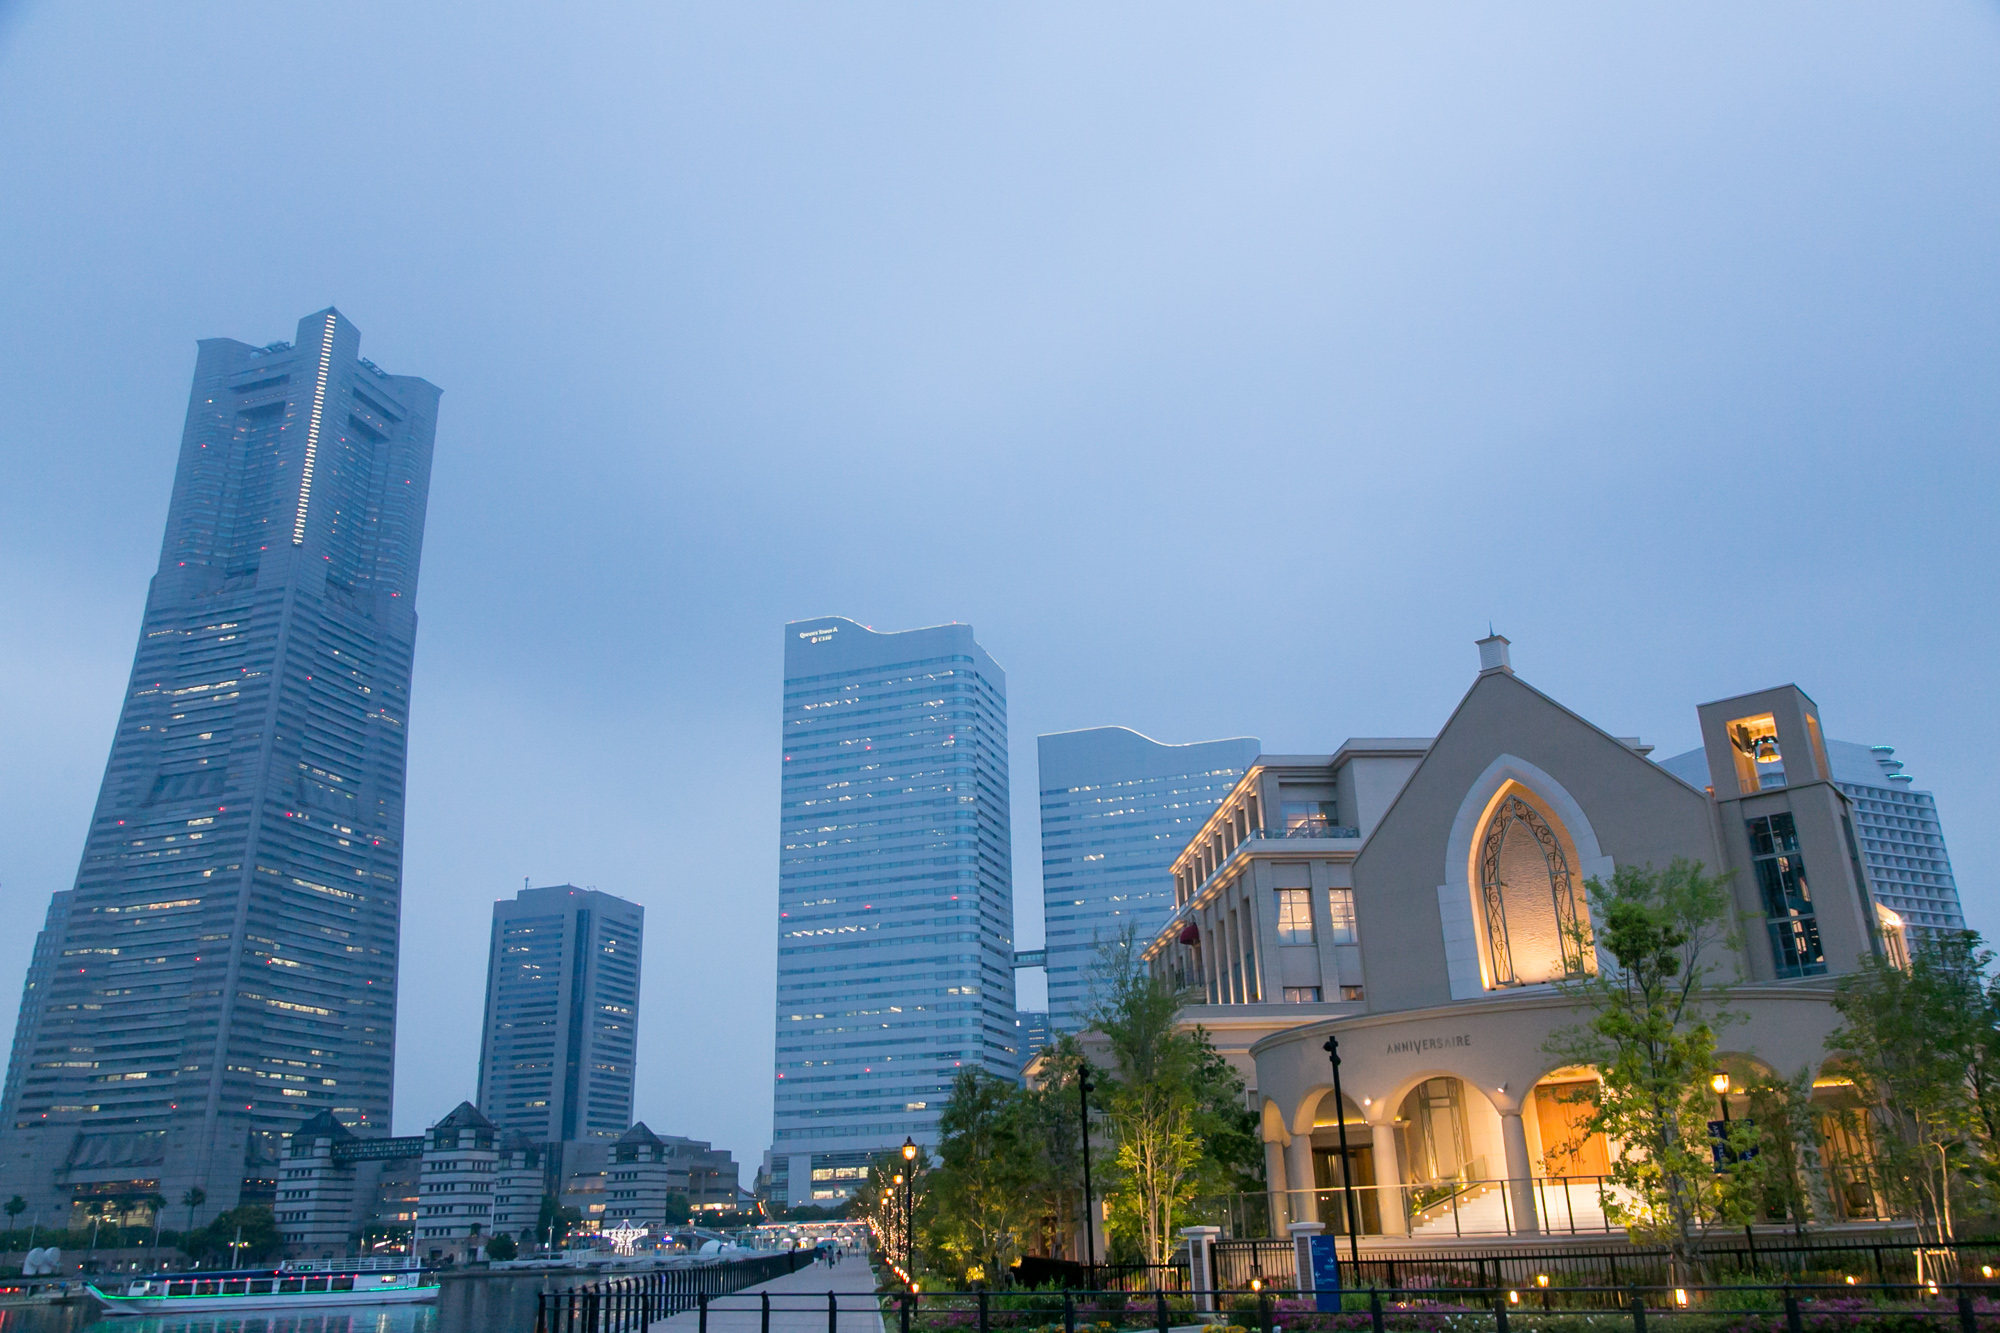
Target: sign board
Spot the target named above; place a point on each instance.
(1326, 1273)
(1718, 1133)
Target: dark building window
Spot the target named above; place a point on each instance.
(1788, 909)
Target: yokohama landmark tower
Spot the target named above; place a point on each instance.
(225, 966)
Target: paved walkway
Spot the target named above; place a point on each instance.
(798, 1303)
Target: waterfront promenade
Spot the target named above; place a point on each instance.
(798, 1303)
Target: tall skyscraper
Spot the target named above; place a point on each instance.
(1117, 808)
(1902, 842)
(562, 1014)
(895, 893)
(228, 956)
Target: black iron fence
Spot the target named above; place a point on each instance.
(1034, 1271)
(1760, 1308)
(1236, 1264)
(630, 1304)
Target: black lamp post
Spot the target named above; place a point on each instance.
(1720, 1082)
(1332, 1049)
(909, 1205)
(1083, 1091)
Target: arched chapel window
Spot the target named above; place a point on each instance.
(1537, 923)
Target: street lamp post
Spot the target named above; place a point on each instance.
(1720, 1082)
(1083, 1091)
(909, 1205)
(1332, 1049)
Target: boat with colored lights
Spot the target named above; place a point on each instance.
(290, 1286)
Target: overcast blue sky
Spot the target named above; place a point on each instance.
(1227, 367)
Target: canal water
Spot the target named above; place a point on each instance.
(84, 1318)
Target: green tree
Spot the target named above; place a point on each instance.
(1788, 1139)
(1921, 1044)
(1651, 1036)
(15, 1207)
(255, 1225)
(555, 1222)
(980, 1201)
(1052, 1138)
(502, 1248)
(892, 1194)
(1176, 1108)
(195, 1197)
(677, 1208)
(156, 1203)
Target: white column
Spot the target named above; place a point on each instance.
(1302, 1234)
(1299, 1180)
(1199, 1239)
(1276, 1184)
(1520, 1189)
(1389, 1180)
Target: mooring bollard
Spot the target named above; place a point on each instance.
(1375, 1309)
(1793, 1322)
(983, 1325)
(905, 1302)
(832, 1314)
(1069, 1312)
(1264, 1311)
(704, 1313)
(1638, 1311)
(1160, 1303)
(1966, 1320)
(1500, 1313)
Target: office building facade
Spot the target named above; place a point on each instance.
(1901, 840)
(228, 955)
(896, 923)
(562, 1014)
(1116, 809)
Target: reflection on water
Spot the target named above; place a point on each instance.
(85, 1318)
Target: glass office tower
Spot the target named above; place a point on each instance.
(228, 955)
(895, 894)
(562, 1014)
(1117, 808)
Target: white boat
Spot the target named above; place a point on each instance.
(291, 1286)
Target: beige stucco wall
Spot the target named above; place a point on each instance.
(1497, 1047)
(1636, 814)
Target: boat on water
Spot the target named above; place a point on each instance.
(290, 1286)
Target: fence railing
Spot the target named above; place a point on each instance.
(1477, 1205)
(1759, 1308)
(631, 1303)
(1862, 1262)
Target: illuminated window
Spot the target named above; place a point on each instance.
(1754, 743)
(1788, 908)
(1537, 927)
(1295, 924)
(1301, 995)
(1340, 909)
(1350, 992)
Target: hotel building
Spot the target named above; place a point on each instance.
(1116, 808)
(895, 894)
